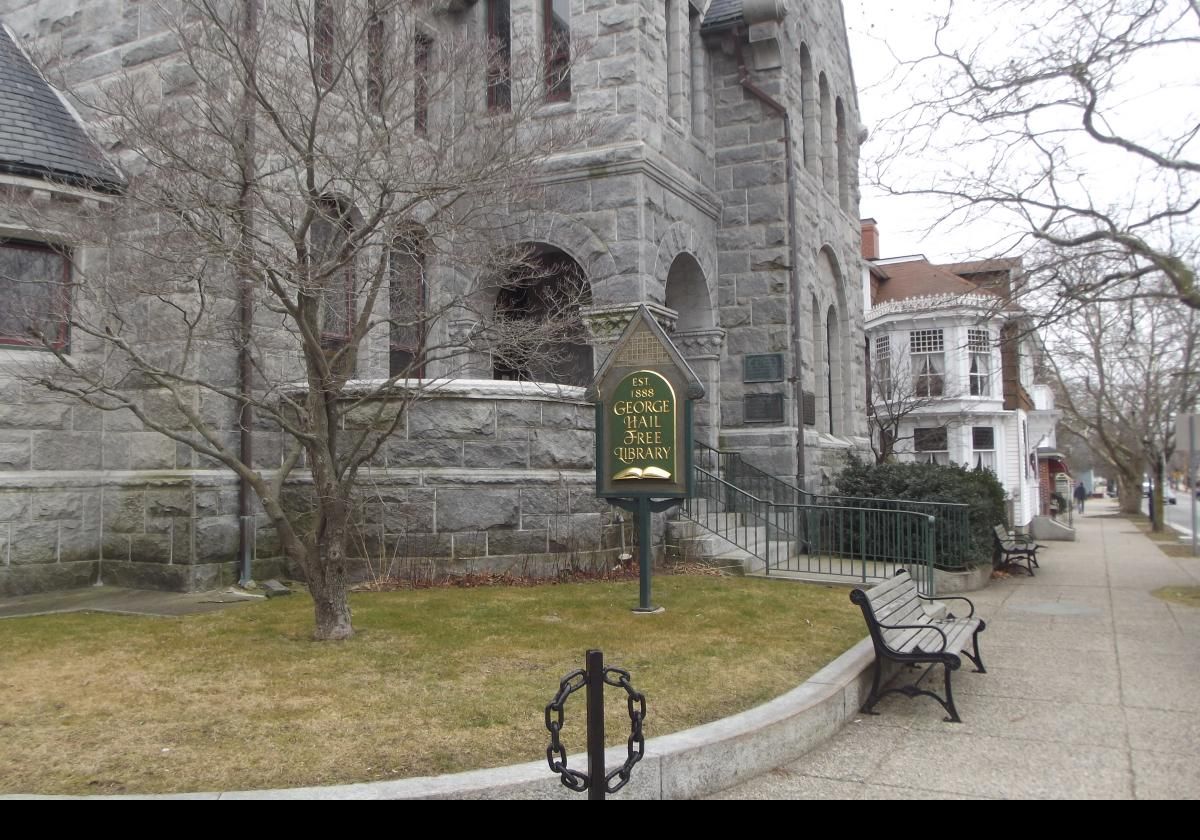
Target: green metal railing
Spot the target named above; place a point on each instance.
(952, 547)
(863, 543)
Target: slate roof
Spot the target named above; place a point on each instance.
(39, 136)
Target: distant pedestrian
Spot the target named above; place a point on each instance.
(1080, 496)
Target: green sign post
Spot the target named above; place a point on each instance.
(644, 394)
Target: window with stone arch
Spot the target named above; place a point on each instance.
(831, 356)
(324, 34)
(835, 367)
(407, 291)
(828, 163)
(499, 66)
(810, 129)
(842, 147)
(331, 268)
(820, 356)
(556, 30)
(548, 288)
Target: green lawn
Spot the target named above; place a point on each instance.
(435, 681)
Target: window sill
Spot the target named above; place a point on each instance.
(555, 107)
(18, 356)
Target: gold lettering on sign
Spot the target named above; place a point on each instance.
(643, 437)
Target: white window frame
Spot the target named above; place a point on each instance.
(927, 351)
(979, 363)
(931, 456)
(983, 458)
(882, 364)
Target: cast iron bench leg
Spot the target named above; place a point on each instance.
(949, 704)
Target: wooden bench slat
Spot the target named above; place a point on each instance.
(899, 583)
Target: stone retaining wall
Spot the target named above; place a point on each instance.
(484, 476)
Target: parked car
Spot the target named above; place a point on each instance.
(1169, 497)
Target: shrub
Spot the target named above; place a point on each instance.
(978, 489)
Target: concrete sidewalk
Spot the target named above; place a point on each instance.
(1092, 691)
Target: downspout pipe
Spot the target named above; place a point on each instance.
(735, 39)
(245, 281)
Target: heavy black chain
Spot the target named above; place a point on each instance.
(556, 753)
(573, 779)
(637, 713)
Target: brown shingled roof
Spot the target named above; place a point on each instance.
(921, 278)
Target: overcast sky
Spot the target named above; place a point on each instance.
(1153, 102)
(876, 26)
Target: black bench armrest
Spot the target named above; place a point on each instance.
(949, 598)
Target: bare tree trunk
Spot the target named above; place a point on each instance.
(327, 576)
(1131, 492)
(1157, 499)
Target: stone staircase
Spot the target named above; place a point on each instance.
(718, 541)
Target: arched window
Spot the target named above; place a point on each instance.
(819, 363)
(843, 156)
(834, 369)
(542, 337)
(499, 66)
(810, 134)
(556, 20)
(828, 164)
(324, 35)
(331, 268)
(406, 305)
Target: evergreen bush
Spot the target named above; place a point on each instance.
(978, 489)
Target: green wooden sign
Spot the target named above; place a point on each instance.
(644, 393)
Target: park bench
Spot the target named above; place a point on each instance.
(1012, 549)
(904, 630)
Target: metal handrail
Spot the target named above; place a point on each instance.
(835, 534)
(952, 540)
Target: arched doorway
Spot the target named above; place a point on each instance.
(697, 337)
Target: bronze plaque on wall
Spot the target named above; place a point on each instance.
(762, 408)
(763, 367)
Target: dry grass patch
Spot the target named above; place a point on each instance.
(435, 681)
(1189, 596)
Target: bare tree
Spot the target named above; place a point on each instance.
(1124, 369)
(310, 165)
(1072, 123)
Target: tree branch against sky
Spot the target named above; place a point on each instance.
(305, 177)
(1062, 130)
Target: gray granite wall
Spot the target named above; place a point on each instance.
(661, 185)
(491, 477)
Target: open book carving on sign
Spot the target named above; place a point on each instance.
(638, 472)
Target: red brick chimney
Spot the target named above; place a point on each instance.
(870, 239)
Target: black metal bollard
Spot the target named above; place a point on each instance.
(595, 677)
